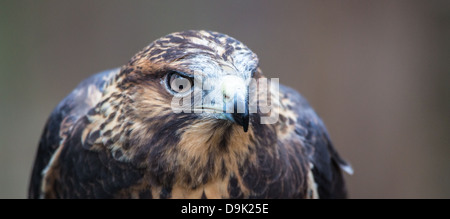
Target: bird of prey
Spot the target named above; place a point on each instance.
(117, 135)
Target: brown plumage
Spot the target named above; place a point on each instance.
(116, 135)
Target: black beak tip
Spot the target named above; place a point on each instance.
(246, 123)
(242, 119)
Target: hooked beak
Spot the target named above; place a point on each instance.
(241, 118)
(236, 99)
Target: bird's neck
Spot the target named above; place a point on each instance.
(209, 150)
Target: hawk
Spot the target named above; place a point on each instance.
(117, 135)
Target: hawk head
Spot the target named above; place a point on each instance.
(180, 107)
(203, 73)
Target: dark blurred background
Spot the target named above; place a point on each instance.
(378, 72)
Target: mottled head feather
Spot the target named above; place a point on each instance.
(205, 53)
(181, 47)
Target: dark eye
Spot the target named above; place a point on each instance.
(178, 83)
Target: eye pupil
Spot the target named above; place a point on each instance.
(179, 83)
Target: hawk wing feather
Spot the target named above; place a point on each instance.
(326, 164)
(63, 118)
(89, 174)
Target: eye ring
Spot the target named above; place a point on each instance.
(179, 83)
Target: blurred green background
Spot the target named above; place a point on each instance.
(378, 73)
